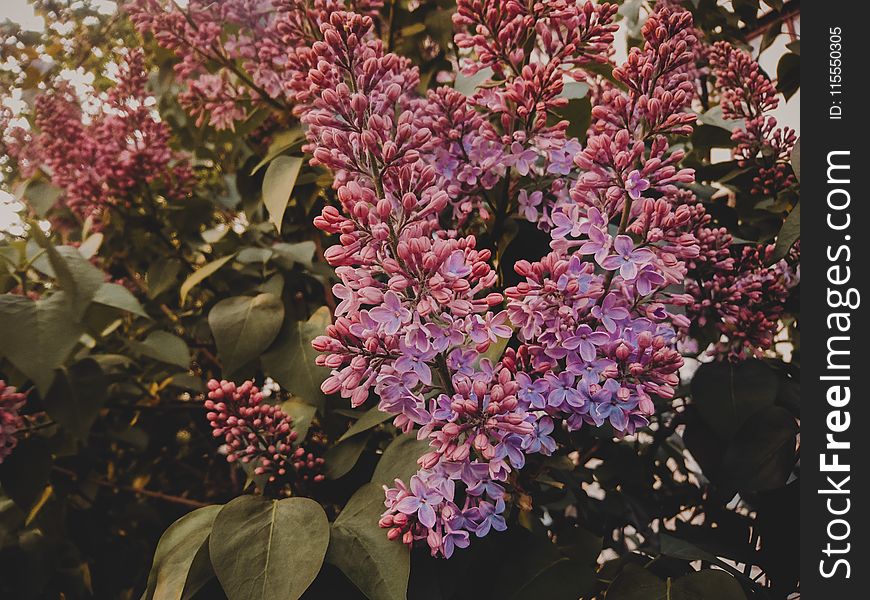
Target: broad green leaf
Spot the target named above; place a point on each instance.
(728, 394)
(38, 336)
(76, 396)
(268, 549)
(788, 74)
(201, 274)
(709, 584)
(76, 276)
(165, 347)
(41, 196)
(176, 550)
(762, 454)
(302, 414)
(244, 326)
(278, 185)
(91, 246)
(533, 567)
(371, 418)
(788, 234)
(291, 360)
(636, 583)
(468, 84)
(342, 457)
(162, 275)
(281, 142)
(286, 255)
(117, 296)
(400, 459)
(254, 255)
(360, 548)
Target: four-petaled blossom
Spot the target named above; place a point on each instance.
(627, 259)
(635, 184)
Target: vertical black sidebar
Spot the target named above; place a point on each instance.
(835, 254)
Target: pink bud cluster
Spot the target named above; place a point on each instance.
(747, 94)
(743, 302)
(528, 50)
(11, 402)
(238, 55)
(101, 159)
(260, 434)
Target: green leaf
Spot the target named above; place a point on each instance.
(117, 296)
(77, 277)
(468, 84)
(360, 548)
(38, 336)
(788, 234)
(400, 459)
(371, 418)
(578, 113)
(302, 414)
(24, 473)
(788, 74)
(278, 185)
(636, 583)
(254, 255)
(286, 255)
(727, 395)
(201, 274)
(175, 554)
(91, 246)
(161, 276)
(165, 347)
(75, 398)
(41, 196)
(291, 360)
(342, 457)
(268, 549)
(244, 326)
(762, 454)
(281, 142)
(533, 567)
(709, 584)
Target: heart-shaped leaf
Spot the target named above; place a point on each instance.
(175, 554)
(244, 326)
(360, 548)
(268, 549)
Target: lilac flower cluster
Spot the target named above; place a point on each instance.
(238, 54)
(104, 159)
(11, 402)
(259, 433)
(598, 342)
(747, 94)
(503, 128)
(415, 303)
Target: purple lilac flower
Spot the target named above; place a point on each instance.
(627, 258)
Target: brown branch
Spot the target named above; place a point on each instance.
(125, 488)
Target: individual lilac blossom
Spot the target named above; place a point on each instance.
(609, 312)
(529, 203)
(421, 501)
(627, 259)
(635, 185)
(522, 159)
(391, 314)
(586, 341)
